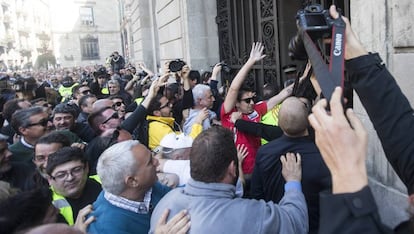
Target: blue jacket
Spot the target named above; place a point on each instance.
(111, 219)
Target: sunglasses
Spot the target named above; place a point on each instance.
(168, 104)
(117, 104)
(85, 92)
(42, 122)
(249, 100)
(113, 116)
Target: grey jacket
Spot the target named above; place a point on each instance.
(214, 208)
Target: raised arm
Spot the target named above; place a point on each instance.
(286, 92)
(256, 54)
(280, 97)
(145, 69)
(153, 90)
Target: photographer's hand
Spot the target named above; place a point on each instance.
(216, 71)
(343, 144)
(353, 47)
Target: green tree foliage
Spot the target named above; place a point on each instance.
(45, 60)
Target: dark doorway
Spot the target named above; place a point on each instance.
(242, 22)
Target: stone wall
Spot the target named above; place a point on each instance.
(171, 29)
(385, 26)
(67, 30)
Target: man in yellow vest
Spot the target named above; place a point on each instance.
(72, 189)
(99, 85)
(65, 90)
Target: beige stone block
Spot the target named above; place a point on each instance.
(168, 14)
(369, 22)
(403, 71)
(172, 31)
(160, 4)
(402, 23)
(171, 50)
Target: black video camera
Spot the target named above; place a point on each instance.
(176, 65)
(316, 22)
(225, 67)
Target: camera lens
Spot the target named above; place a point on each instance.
(176, 65)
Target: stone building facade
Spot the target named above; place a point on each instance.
(84, 32)
(24, 32)
(157, 31)
(386, 27)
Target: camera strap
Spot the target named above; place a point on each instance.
(332, 76)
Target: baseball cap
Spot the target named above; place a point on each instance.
(176, 141)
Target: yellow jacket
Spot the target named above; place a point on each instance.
(63, 205)
(158, 127)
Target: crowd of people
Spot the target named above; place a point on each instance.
(115, 149)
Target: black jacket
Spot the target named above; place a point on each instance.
(268, 183)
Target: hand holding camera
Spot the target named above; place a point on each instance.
(222, 66)
(354, 47)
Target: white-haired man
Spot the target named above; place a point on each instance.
(130, 189)
(203, 101)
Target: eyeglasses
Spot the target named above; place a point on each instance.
(113, 116)
(168, 104)
(86, 92)
(249, 100)
(42, 122)
(117, 104)
(63, 175)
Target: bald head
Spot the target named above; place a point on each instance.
(101, 103)
(293, 117)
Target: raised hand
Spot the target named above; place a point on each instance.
(256, 54)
